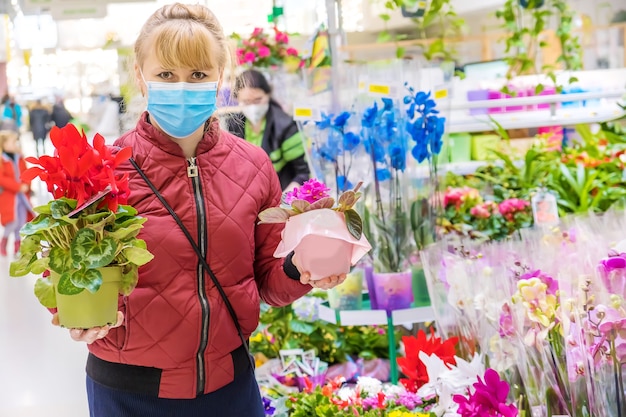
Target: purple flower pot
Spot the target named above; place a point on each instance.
(371, 288)
(477, 95)
(394, 290)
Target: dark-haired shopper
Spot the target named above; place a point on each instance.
(264, 123)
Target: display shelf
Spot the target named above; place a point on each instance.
(532, 119)
(368, 317)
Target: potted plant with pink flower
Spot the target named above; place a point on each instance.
(325, 235)
(261, 50)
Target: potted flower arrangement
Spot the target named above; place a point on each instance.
(388, 132)
(261, 51)
(84, 241)
(327, 237)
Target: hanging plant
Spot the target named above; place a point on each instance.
(437, 14)
(526, 21)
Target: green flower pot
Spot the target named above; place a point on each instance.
(86, 310)
(420, 289)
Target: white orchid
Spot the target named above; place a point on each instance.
(445, 382)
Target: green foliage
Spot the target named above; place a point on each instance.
(586, 176)
(440, 16)
(76, 247)
(281, 328)
(525, 25)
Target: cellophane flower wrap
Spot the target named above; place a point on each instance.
(327, 237)
(87, 225)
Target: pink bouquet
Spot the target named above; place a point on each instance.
(263, 51)
(326, 237)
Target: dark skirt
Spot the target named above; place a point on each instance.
(241, 398)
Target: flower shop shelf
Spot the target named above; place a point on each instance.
(533, 119)
(369, 317)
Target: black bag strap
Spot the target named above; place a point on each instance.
(204, 263)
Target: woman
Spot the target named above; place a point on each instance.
(175, 350)
(264, 123)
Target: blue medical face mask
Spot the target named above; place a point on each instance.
(181, 108)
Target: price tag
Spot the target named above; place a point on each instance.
(545, 209)
(441, 94)
(305, 113)
(381, 90)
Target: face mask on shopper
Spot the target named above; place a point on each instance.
(181, 108)
(255, 112)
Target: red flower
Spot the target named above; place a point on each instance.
(412, 366)
(79, 171)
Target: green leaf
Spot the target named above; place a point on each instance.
(60, 260)
(44, 290)
(501, 131)
(39, 266)
(137, 256)
(86, 250)
(89, 279)
(45, 209)
(384, 36)
(130, 276)
(124, 232)
(66, 287)
(125, 211)
(539, 89)
(21, 266)
(354, 223)
(298, 326)
(275, 215)
(385, 17)
(39, 224)
(59, 208)
(400, 52)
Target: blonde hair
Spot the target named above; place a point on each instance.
(5, 136)
(184, 36)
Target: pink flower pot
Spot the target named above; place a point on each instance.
(322, 244)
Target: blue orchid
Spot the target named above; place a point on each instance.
(369, 116)
(325, 122)
(351, 141)
(341, 120)
(424, 126)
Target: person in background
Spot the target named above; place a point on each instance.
(15, 207)
(12, 113)
(264, 123)
(39, 121)
(60, 115)
(176, 349)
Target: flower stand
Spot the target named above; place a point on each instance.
(369, 317)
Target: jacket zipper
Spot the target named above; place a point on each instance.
(192, 172)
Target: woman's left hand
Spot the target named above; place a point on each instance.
(324, 283)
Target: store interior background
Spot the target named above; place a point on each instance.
(42, 55)
(82, 60)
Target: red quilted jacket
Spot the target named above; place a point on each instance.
(177, 334)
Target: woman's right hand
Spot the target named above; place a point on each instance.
(91, 335)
